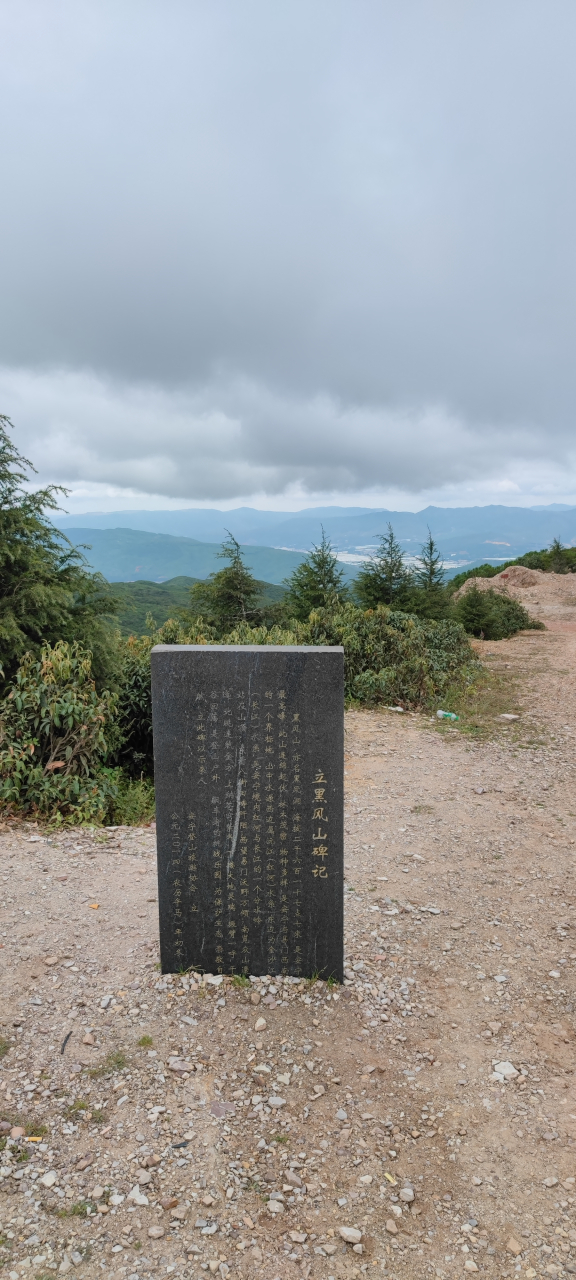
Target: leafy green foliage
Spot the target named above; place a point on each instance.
(389, 656)
(493, 615)
(315, 583)
(53, 738)
(133, 804)
(393, 657)
(554, 559)
(46, 592)
(134, 753)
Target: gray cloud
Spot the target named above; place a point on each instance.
(239, 437)
(252, 246)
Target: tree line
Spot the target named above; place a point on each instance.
(75, 705)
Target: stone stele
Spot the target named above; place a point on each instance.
(249, 778)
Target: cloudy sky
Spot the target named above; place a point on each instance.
(292, 252)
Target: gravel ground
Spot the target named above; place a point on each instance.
(421, 1120)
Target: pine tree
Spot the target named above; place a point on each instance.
(230, 596)
(428, 597)
(47, 591)
(430, 575)
(384, 579)
(557, 557)
(315, 584)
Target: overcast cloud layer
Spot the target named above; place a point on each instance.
(302, 249)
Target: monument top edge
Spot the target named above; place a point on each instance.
(248, 648)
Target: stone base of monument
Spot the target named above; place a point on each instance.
(249, 763)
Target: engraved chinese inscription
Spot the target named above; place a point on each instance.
(248, 745)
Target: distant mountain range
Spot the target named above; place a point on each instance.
(133, 555)
(129, 545)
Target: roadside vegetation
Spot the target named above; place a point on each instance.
(552, 559)
(75, 704)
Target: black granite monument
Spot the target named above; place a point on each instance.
(249, 765)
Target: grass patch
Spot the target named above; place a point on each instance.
(135, 803)
(77, 1210)
(332, 982)
(34, 1129)
(78, 1105)
(480, 703)
(23, 1155)
(97, 1117)
(116, 1061)
(145, 1042)
(80, 1209)
(280, 1137)
(4, 1047)
(240, 980)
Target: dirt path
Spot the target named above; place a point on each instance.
(460, 954)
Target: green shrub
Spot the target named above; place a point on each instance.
(134, 753)
(493, 614)
(389, 657)
(134, 802)
(54, 737)
(392, 657)
(555, 559)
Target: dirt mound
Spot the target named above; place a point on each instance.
(551, 597)
(516, 576)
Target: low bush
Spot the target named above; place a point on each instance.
(55, 734)
(493, 615)
(389, 657)
(71, 754)
(133, 804)
(393, 657)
